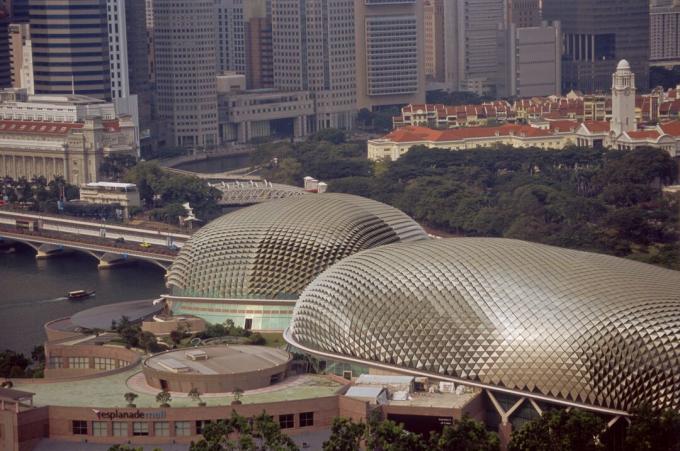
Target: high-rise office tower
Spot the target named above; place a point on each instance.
(434, 32)
(244, 40)
(476, 34)
(70, 47)
(314, 50)
(185, 58)
(118, 48)
(21, 56)
(138, 65)
(5, 66)
(260, 62)
(597, 34)
(664, 31)
(390, 44)
(524, 13)
(19, 10)
(231, 49)
(529, 61)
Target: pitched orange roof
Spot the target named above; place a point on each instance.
(671, 128)
(415, 134)
(563, 126)
(597, 126)
(644, 134)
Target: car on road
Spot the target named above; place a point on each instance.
(145, 245)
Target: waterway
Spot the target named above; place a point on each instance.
(33, 292)
(217, 164)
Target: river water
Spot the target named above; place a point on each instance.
(33, 292)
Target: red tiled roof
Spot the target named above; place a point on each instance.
(644, 134)
(671, 128)
(597, 126)
(563, 126)
(49, 128)
(414, 134)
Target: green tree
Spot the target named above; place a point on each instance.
(653, 430)
(238, 394)
(560, 430)
(332, 135)
(147, 340)
(257, 433)
(466, 434)
(387, 435)
(13, 364)
(346, 435)
(130, 398)
(195, 395)
(114, 166)
(164, 398)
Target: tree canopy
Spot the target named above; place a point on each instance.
(602, 201)
(560, 430)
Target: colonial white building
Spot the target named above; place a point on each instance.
(621, 132)
(60, 135)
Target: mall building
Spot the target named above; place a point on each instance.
(377, 316)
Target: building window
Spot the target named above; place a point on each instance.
(200, 424)
(306, 419)
(79, 427)
(161, 429)
(99, 429)
(287, 421)
(182, 428)
(140, 428)
(120, 429)
(103, 363)
(78, 362)
(55, 362)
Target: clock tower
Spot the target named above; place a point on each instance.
(623, 100)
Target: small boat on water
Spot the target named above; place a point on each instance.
(80, 294)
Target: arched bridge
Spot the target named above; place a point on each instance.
(110, 244)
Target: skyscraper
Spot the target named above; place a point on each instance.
(5, 67)
(529, 61)
(597, 34)
(118, 48)
(185, 58)
(433, 19)
(525, 13)
(314, 49)
(390, 48)
(244, 38)
(70, 47)
(664, 32)
(477, 31)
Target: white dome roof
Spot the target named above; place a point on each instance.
(623, 65)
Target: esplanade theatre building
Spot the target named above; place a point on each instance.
(375, 314)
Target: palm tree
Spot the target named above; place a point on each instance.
(164, 398)
(130, 398)
(238, 392)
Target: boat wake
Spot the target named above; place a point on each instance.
(23, 304)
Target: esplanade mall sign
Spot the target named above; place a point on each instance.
(116, 414)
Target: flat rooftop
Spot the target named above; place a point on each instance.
(231, 359)
(101, 317)
(442, 400)
(108, 391)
